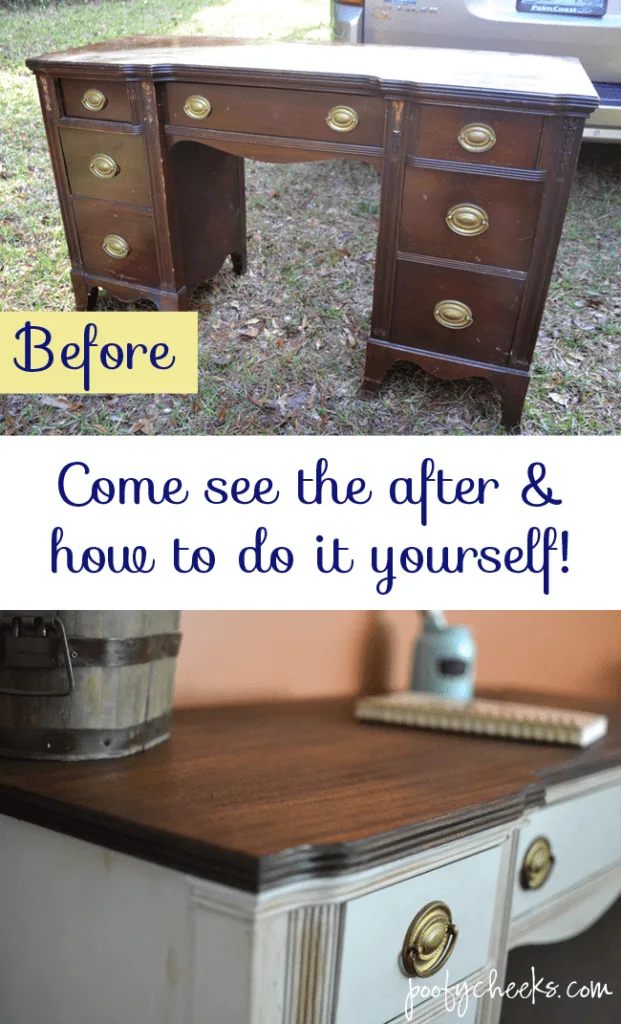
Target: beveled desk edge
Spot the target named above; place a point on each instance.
(322, 82)
(243, 871)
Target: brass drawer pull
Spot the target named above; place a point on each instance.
(537, 864)
(104, 166)
(94, 100)
(454, 314)
(429, 941)
(467, 219)
(342, 119)
(116, 247)
(477, 138)
(197, 107)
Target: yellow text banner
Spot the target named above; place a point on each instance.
(98, 353)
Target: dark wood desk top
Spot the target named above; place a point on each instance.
(258, 795)
(404, 70)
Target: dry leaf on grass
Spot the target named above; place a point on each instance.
(56, 402)
(558, 399)
(264, 406)
(143, 427)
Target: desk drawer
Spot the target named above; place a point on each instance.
(584, 838)
(487, 136)
(477, 316)
(97, 100)
(96, 222)
(469, 217)
(106, 165)
(277, 112)
(373, 986)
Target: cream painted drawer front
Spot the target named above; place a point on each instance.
(585, 838)
(469, 1017)
(373, 986)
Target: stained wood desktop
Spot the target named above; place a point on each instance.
(269, 862)
(260, 795)
(476, 152)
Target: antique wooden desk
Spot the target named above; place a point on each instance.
(476, 152)
(267, 864)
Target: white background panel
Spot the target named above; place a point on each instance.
(583, 474)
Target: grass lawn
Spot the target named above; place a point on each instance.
(282, 349)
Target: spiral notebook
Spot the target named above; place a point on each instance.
(485, 718)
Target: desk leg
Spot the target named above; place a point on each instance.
(85, 297)
(511, 384)
(513, 388)
(379, 360)
(208, 198)
(240, 256)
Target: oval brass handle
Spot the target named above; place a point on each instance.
(454, 314)
(104, 166)
(116, 247)
(429, 941)
(467, 219)
(197, 107)
(94, 100)
(477, 138)
(342, 119)
(537, 864)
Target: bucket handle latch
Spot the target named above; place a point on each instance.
(38, 642)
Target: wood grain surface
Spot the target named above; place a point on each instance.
(278, 112)
(493, 301)
(528, 75)
(512, 208)
(259, 795)
(117, 107)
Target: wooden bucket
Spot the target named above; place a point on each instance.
(85, 685)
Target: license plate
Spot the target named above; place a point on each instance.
(574, 8)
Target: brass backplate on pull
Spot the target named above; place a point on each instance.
(467, 219)
(477, 138)
(116, 247)
(429, 941)
(197, 107)
(94, 100)
(537, 864)
(453, 314)
(342, 119)
(104, 166)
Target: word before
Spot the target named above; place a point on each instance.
(37, 354)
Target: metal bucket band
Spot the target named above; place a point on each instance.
(83, 744)
(112, 652)
(53, 651)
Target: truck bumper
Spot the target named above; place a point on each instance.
(604, 124)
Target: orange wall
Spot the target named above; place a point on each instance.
(255, 655)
